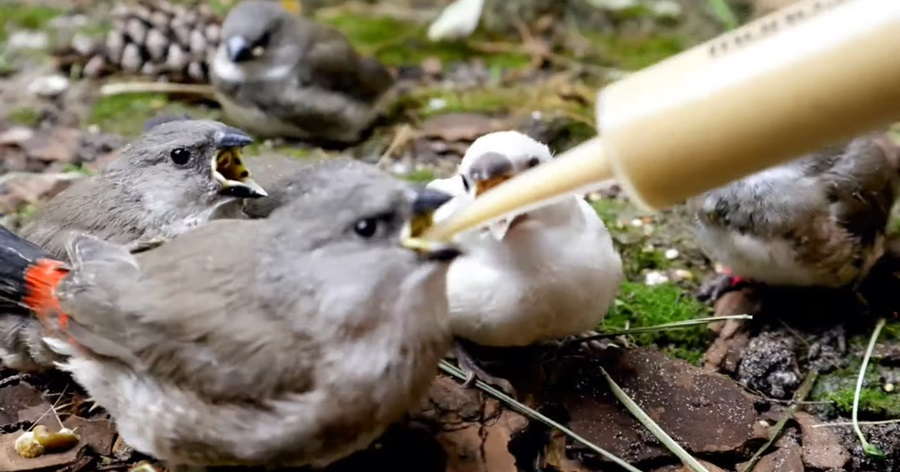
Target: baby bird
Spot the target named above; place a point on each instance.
(286, 341)
(176, 176)
(543, 274)
(817, 221)
(278, 74)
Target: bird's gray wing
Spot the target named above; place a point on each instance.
(334, 64)
(186, 312)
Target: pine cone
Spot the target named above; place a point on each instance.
(154, 38)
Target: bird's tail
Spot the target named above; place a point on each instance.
(29, 276)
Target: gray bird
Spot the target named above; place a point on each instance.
(287, 181)
(291, 340)
(280, 75)
(175, 177)
(817, 221)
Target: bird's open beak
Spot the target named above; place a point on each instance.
(491, 170)
(238, 49)
(229, 171)
(427, 201)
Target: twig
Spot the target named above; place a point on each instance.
(535, 415)
(200, 90)
(654, 428)
(661, 327)
(850, 423)
(776, 430)
(53, 409)
(869, 449)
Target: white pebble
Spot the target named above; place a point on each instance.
(48, 85)
(888, 387)
(655, 277)
(671, 254)
(27, 40)
(437, 104)
(682, 274)
(637, 222)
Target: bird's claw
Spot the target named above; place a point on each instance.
(474, 372)
(720, 284)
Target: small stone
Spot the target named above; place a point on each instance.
(432, 66)
(671, 254)
(888, 387)
(666, 9)
(655, 277)
(83, 44)
(27, 40)
(637, 222)
(682, 274)
(182, 31)
(16, 135)
(151, 69)
(437, 104)
(48, 85)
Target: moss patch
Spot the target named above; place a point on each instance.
(397, 42)
(838, 387)
(25, 116)
(126, 114)
(635, 52)
(16, 15)
(422, 176)
(641, 305)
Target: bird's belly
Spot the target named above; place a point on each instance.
(772, 261)
(517, 308)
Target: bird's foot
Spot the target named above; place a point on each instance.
(720, 284)
(142, 245)
(474, 372)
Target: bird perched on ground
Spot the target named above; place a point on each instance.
(175, 177)
(817, 221)
(543, 274)
(291, 340)
(278, 74)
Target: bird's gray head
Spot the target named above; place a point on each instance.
(259, 31)
(366, 209)
(495, 158)
(186, 162)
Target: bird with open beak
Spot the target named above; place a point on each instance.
(817, 221)
(539, 275)
(173, 178)
(283, 341)
(277, 74)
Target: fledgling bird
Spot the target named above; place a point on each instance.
(543, 274)
(176, 176)
(817, 221)
(286, 341)
(281, 75)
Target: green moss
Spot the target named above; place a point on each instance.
(873, 401)
(633, 53)
(419, 176)
(642, 305)
(609, 209)
(397, 42)
(25, 116)
(17, 15)
(126, 114)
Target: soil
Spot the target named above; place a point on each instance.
(717, 390)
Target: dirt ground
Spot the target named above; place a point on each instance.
(533, 65)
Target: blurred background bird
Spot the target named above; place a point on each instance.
(539, 275)
(279, 74)
(173, 178)
(817, 221)
(297, 340)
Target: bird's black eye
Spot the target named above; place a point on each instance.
(366, 227)
(263, 41)
(533, 162)
(465, 182)
(180, 156)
